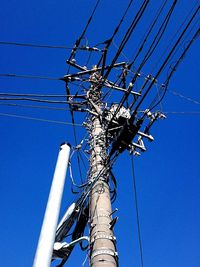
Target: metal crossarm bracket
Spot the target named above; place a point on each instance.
(140, 146)
(91, 71)
(149, 137)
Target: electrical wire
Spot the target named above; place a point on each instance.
(73, 180)
(150, 51)
(195, 36)
(38, 119)
(165, 61)
(33, 106)
(37, 45)
(79, 163)
(178, 112)
(13, 75)
(159, 34)
(148, 54)
(81, 157)
(153, 45)
(159, 97)
(110, 40)
(82, 48)
(185, 97)
(153, 23)
(127, 35)
(74, 133)
(41, 95)
(78, 41)
(137, 212)
(40, 100)
(174, 36)
(182, 112)
(182, 43)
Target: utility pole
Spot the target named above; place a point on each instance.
(122, 126)
(102, 240)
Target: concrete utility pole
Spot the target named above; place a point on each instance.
(102, 240)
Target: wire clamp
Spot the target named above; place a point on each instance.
(102, 236)
(104, 252)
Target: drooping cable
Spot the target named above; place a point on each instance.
(74, 131)
(38, 119)
(137, 212)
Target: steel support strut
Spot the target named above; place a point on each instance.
(47, 235)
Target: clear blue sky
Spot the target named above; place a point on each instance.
(167, 174)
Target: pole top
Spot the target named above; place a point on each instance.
(65, 143)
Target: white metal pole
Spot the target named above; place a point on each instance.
(47, 235)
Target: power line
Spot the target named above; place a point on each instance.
(178, 112)
(182, 112)
(174, 36)
(13, 75)
(33, 106)
(151, 49)
(111, 39)
(195, 36)
(37, 119)
(149, 31)
(35, 45)
(127, 35)
(185, 97)
(190, 42)
(41, 95)
(125, 39)
(40, 100)
(78, 41)
(137, 212)
(160, 33)
(166, 61)
(163, 65)
(49, 46)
